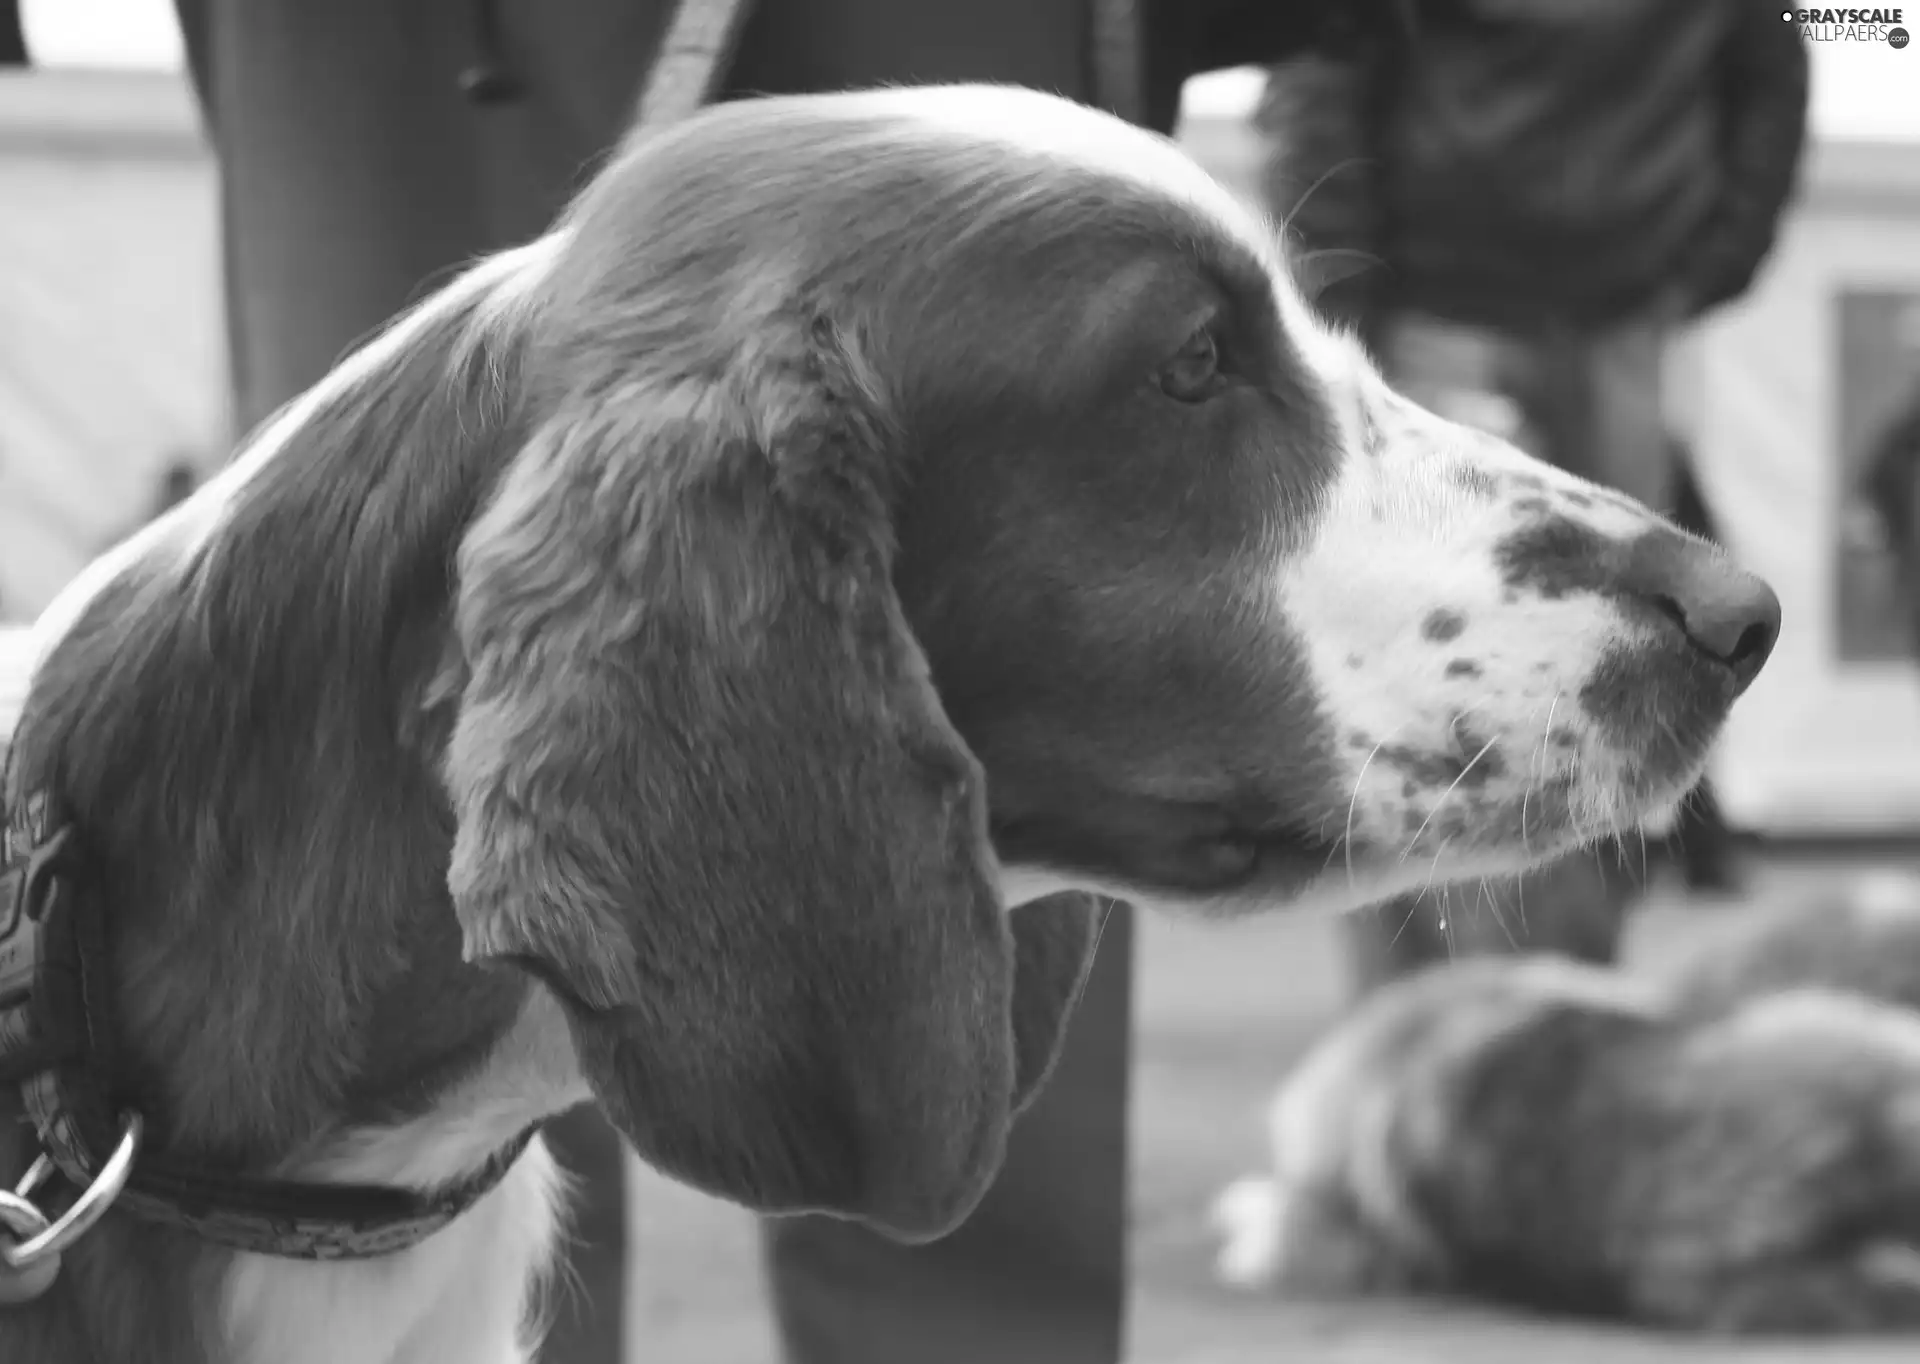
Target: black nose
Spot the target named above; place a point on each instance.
(1727, 612)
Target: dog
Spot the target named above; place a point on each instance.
(687, 663)
(1860, 936)
(1730, 1146)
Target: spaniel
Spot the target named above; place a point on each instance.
(1729, 1145)
(652, 669)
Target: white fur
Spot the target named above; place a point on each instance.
(1400, 517)
(460, 1297)
(463, 1296)
(1246, 1216)
(1814, 1012)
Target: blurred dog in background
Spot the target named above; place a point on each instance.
(1729, 1146)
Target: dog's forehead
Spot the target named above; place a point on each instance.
(1032, 123)
(1134, 163)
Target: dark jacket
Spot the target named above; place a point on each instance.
(1517, 162)
(13, 35)
(802, 45)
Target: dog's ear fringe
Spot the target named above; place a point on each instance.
(1055, 941)
(701, 775)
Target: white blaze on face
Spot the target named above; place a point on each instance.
(1456, 692)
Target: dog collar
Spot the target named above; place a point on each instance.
(56, 1049)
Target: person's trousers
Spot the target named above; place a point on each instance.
(355, 175)
(1591, 403)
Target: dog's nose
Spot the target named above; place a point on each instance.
(1728, 613)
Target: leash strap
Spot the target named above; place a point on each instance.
(693, 56)
(56, 1019)
(1119, 76)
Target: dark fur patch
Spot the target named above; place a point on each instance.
(1554, 557)
(1661, 699)
(1440, 769)
(1475, 481)
(1513, 1233)
(1372, 439)
(1463, 667)
(1442, 626)
(1657, 704)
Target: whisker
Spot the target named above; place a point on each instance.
(1535, 764)
(1344, 164)
(1452, 786)
(1353, 802)
(1413, 908)
(1493, 908)
(1433, 867)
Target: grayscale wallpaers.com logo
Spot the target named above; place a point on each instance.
(1850, 25)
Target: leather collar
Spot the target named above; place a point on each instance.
(56, 1050)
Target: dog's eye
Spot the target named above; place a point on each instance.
(1193, 374)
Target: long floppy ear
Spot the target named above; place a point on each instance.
(1054, 941)
(705, 789)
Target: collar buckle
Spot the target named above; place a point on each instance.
(33, 1246)
(26, 888)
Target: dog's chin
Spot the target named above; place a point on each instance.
(1231, 871)
(1261, 872)
(1173, 854)
(1226, 875)
(1634, 795)
(1242, 868)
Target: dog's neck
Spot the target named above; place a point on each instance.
(241, 724)
(243, 715)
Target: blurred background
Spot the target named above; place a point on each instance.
(112, 382)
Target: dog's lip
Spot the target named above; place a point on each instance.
(1265, 857)
(1199, 848)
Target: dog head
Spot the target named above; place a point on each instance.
(1227, 622)
(931, 497)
